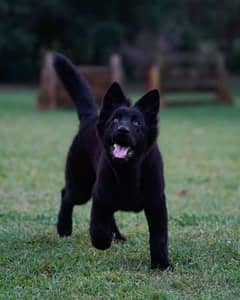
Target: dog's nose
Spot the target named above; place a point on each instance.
(123, 129)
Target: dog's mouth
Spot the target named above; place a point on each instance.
(121, 152)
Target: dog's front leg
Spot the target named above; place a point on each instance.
(101, 226)
(156, 214)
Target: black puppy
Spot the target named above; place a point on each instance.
(115, 160)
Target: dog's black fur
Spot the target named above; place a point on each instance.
(115, 160)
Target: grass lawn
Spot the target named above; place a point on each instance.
(201, 149)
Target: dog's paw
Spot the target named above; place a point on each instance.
(64, 229)
(101, 238)
(101, 243)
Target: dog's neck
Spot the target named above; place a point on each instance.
(126, 173)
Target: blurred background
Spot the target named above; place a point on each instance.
(90, 31)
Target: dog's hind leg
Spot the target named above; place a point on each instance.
(70, 198)
(118, 237)
(80, 178)
(64, 225)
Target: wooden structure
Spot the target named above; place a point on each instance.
(190, 73)
(53, 95)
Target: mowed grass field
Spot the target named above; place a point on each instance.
(201, 150)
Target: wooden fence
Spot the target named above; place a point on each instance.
(190, 73)
(52, 93)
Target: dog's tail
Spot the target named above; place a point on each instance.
(77, 88)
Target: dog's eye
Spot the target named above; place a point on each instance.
(135, 123)
(115, 120)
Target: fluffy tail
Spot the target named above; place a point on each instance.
(77, 88)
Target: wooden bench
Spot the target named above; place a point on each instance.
(199, 73)
(53, 95)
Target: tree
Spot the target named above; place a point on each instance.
(88, 31)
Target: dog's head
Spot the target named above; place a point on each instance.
(128, 131)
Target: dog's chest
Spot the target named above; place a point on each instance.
(129, 199)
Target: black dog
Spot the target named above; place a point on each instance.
(115, 160)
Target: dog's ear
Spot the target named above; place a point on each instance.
(149, 105)
(112, 100)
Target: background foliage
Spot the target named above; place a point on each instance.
(89, 31)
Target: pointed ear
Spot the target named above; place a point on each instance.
(114, 97)
(149, 105)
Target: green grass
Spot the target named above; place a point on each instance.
(201, 149)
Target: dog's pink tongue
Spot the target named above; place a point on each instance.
(119, 151)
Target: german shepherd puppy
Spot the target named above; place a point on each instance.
(114, 159)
